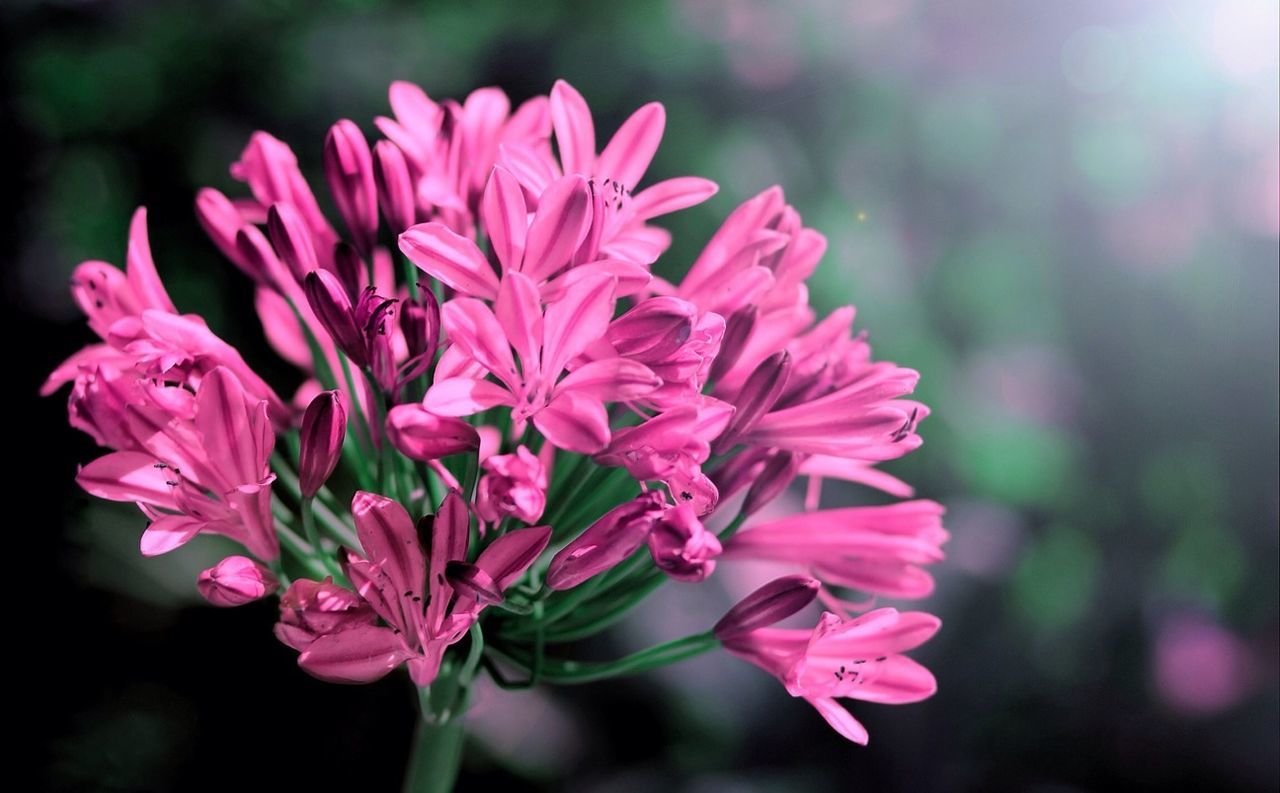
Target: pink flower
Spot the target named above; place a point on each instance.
(421, 435)
(409, 590)
(682, 547)
(201, 465)
(513, 484)
(671, 448)
(569, 411)
(235, 581)
(855, 659)
(878, 550)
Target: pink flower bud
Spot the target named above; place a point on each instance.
(420, 435)
(737, 331)
(773, 602)
(220, 219)
(607, 542)
(468, 579)
(311, 609)
(774, 478)
(349, 268)
(395, 186)
(291, 238)
(682, 547)
(329, 301)
(420, 324)
(256, 256)
(652, 330)
(235, 581)
(513, 484)
(348, 167)
(758, 395)
(324, 427)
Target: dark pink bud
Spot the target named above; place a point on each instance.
(291, 238)
(395, 186)
(775, 477)
(420, 435)
(420, 324)
(654, 329)
(682, 547)
(329, 301)
(606, 543)
(221, 220)
(349, 268)
(773, 602)
(758, 395)
(737, 331)
(256, 256)
(235, 581)
(375, 316)
(739, 471)
(324, 427)
(348, 167)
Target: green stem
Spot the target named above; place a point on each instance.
(435, 758)
(578, 672)
(313, 537)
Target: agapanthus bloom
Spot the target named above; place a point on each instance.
(509, 431)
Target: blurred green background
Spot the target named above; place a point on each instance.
(1064, 215)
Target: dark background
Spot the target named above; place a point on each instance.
(1064, 215)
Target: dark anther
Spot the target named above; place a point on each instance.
(686, 495)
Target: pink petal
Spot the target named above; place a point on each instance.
(512, 553)
(841, 720)
(631, 277)
(141, 269)
(464, 396)
(574, 423)
(280, 324)
(471, 325)
(451, 258)
(390, 540)
(897, 680)
(450, 528)
(519, 311)
(611, 380)
(128, 476)
(672, 195)
(559, 227)
(576, 320)
(506, 218)
(169, 532)
(361, 654)
(575, 132)
(629, 152)
(222, 418)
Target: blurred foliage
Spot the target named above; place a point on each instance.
(1064, 215)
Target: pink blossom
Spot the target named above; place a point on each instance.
(569, 411)
(855, 659)
(513, 485)
(311, 609)
(235, 581)
(879, 550)
(682, 547)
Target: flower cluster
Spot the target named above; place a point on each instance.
(509, 430)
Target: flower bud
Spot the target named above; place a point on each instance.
(737, 331)
(467, 579)
(349, 268)
(395, 186)
(348, 167)
(324, 427)
(758, 395)
(682, 547)
(420, 435)
(605, 543)
(653, 329)
(291, 238)
(235, 581)
(777, 474)
(329, 301)
(513, 484)
(420, 324)
(773, 602)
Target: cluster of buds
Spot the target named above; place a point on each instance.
(509, 431)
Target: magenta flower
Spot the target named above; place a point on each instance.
(513, 485)
(857, 659)
(200, 466)
(235, 581)
(406, 586)
(311, 609)
(878, 550)
(569, 409)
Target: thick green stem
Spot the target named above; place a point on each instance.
(577, 672)
(435, 756)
